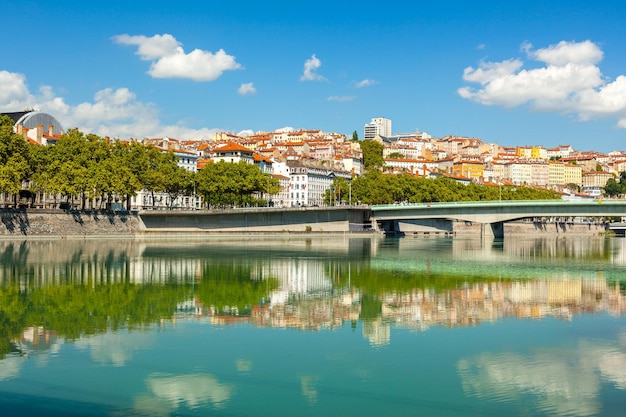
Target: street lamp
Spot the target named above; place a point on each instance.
(350, 198)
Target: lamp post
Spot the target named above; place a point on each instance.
(350, 197)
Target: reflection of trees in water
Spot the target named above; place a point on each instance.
(14, 257)
(86, 287)
(74, 310)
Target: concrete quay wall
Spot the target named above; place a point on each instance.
(19, 223)
(60, 223)
(256, 220)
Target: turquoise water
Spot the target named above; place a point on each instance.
(313, 326)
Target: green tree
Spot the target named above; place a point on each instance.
(15, 162)
(377, 188)
(240, 184)
(613, 188)
(372, 154)
(355, 136)
(152, 167)
(340, 191)
(177, 182)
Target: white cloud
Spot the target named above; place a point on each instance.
(311, 65)
(168, 393)
(365, 83)
(115, 113)
(341, 98)
(563, 53)
(286, 129)
(569, 81)
(245, 133)
(115, 348)
(11, 366)
(247, 89)
(13, 91)
(152, 48)
(169, 59)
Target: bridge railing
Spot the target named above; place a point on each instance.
(457, 204)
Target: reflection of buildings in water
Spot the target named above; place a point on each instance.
(378, 332)
(308, 314)
(160, 270)
(421, 309)
(48, 262)
(37, 338)
(482, 302)
(299, 277)
(304, 298)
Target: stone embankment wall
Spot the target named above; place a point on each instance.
(59, 223)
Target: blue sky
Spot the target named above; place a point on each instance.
(514, 73)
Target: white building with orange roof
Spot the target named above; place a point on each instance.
(233, 152)
(308, 181)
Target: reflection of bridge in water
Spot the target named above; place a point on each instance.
(491, 215)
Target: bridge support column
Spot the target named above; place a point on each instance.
(492, 230)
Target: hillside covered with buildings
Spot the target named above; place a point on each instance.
(306, 163)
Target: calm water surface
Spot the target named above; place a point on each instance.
(332, 326)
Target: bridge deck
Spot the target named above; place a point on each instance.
(500, 211)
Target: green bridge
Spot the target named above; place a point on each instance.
(491, 215)
(485, 217)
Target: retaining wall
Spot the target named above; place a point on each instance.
(59, 223)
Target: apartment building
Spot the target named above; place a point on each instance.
(540, 173)
(556, 173)
(573, 174)
(233, 152)
(412, 166)
(468, 169)
(595, 178)
(308, 181)
(379, 126)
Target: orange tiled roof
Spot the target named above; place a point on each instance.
(232, 146)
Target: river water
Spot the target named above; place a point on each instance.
(313, 326)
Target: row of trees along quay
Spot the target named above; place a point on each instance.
(87, 171)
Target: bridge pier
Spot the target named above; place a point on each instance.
(492, 230)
